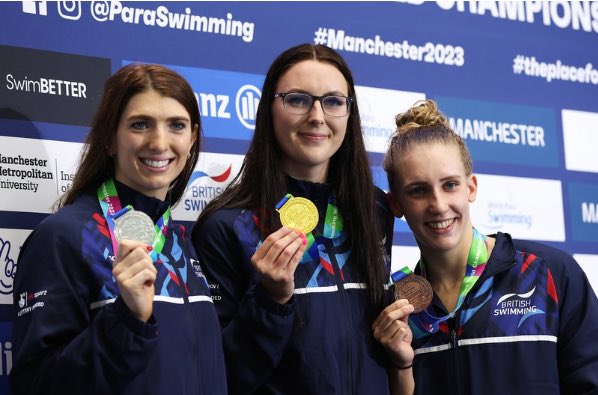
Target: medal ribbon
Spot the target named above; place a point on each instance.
(476, 263)
(112, 209)
(333, 225)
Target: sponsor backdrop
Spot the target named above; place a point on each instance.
(518, 80)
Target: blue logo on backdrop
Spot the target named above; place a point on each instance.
(583, 211)
(381, 181)
(504, 133)
(227, 100)
(5, 355)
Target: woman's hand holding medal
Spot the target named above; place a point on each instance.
(135, 274)
(133, 268)
(276, 260)
(392, 330)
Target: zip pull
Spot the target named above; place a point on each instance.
(454, 341)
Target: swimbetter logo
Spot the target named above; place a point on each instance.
(50, 86)
(517, 305)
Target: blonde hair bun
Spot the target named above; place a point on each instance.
(423, 113)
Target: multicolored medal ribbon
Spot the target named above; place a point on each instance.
(126, 223)
(302, 214)
(425, 320)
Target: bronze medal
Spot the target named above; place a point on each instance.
(416, 289)
(299, 213)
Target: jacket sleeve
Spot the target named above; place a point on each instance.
(255, 329)
(60, 347)
(578, 330)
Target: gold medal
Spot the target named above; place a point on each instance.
(299, 213)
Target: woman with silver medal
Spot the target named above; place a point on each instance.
(126, 308)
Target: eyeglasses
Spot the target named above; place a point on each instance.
(302, 103)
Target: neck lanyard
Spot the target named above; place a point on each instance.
(426, 321)
(112, 209)
(333, 227)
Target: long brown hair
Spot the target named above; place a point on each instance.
(96, 165)
(261, 181)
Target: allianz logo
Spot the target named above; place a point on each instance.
(243, 105)
(589, 213)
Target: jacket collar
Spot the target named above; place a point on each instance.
(503, 254)
(151, 206)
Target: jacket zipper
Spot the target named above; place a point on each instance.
(194, 331)
(455, 347)
(343, 292)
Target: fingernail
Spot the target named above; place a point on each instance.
(304, 240)
(149, 248)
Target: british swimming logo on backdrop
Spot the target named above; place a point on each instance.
(50, 86)
(227, 100)
(504, 133)
(211, 176)
(583, 211)
(512, 204)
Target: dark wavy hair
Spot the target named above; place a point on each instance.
(261, 181)
(96, 165)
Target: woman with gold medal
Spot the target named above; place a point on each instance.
(121, 305)
(297, 249)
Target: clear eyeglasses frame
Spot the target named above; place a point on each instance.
(297, 103)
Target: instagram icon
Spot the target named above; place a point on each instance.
(69, 9)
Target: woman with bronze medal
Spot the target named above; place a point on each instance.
(507, 316)
(297, 248)
(121, 305)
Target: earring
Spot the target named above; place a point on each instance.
(109, 152)
(188, 155)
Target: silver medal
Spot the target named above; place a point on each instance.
(134, 225)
